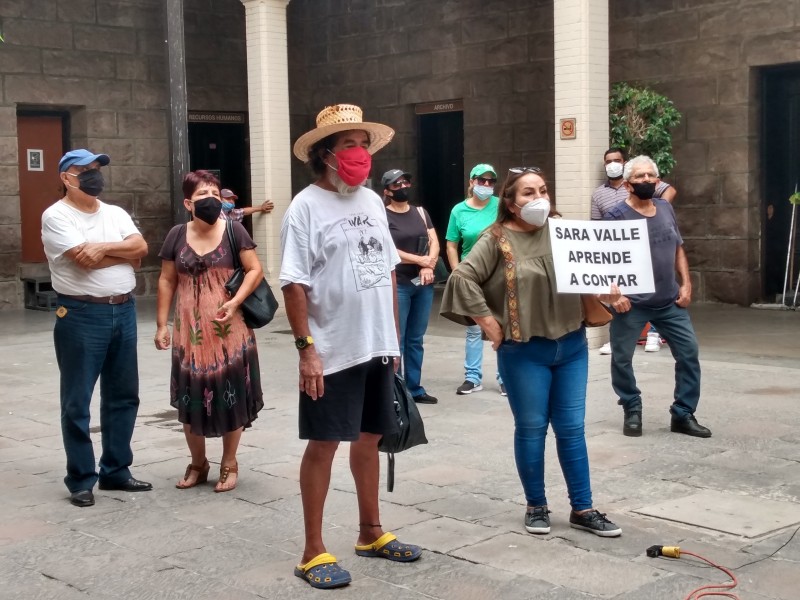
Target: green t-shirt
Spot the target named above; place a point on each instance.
(467, 223)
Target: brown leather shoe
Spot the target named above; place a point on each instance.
(223, 477)
(202, 476)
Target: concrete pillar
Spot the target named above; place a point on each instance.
(268, 105)
(581, 93)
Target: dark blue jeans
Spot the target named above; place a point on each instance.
(546, 384)
(414, 305)
(675, 326)
(97, 341)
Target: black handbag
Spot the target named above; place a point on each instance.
(410, 428)
(440, 271)
(259, 307)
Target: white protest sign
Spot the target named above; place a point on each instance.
(589, 256)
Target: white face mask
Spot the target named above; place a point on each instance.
(535, 212)
(614, 170)
(482, 192)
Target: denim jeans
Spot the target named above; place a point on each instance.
(414, 305)
(473, 360)
(97, 341)
(546, 384)
(675, 326)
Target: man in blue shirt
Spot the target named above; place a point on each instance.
(665, 308)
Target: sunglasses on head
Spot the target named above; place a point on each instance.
(520, 170)
(485, 180)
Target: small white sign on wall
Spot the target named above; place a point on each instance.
(589, 256)
(35, 160)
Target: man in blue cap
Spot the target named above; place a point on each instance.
(92, 249)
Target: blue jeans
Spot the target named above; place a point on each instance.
(414, 304)
(675, 326)
(546, 384)
(97, 341)
(473, 359)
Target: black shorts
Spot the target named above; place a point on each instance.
(357, 399)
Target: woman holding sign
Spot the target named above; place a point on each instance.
(507, 286)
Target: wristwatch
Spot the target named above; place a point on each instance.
(303, 342)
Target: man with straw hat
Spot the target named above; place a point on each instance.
(338, 281)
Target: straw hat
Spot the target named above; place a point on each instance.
(342, 117)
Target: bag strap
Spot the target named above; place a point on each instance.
(421, 213)
(510, 273)
(237, 264)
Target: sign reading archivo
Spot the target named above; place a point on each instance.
(590, 256)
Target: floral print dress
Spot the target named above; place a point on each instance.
(216, 382)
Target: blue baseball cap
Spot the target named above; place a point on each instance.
(81, 157)
(481, 169)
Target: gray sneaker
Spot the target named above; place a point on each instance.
(595, 522)
(537, 519)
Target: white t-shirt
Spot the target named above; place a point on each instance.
(340, 249)
(64, 227)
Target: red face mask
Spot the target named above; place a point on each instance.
(354, 165)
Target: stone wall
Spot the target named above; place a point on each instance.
(104, 62)
(704, 54)
(388, 55)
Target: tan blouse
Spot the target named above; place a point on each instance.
(477, 287)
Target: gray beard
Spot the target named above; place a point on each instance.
(341, 186)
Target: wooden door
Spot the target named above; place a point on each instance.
(41, 146)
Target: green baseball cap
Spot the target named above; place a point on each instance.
(481, 169)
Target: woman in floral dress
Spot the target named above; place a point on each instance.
(215, 383)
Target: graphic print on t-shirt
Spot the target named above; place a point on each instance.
(365, 242)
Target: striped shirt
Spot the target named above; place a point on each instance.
(606, 196)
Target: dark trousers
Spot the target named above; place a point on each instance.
(675, 326)
(97, 341)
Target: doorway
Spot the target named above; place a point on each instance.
(222, 149)
(781, 169)
(441, 167)
(41, 144)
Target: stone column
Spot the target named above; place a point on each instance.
(581, 93)
(268, 105)
(179, 122)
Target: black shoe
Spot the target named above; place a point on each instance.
(595, 522)
(82, 498)
(632, 425)
(132, 485)
(425, 399)
(689, 426)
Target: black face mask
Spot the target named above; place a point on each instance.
(91, 182)
(644, 190)
(208, 209)
(400, 195)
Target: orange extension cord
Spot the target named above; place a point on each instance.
(712, 589)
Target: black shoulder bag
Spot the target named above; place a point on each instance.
(259, 307)
(410, 428)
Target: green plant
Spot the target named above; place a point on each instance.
(640, 121)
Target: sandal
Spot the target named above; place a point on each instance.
(223, 477)
(202, 476)
(323, 572)
(388, 546)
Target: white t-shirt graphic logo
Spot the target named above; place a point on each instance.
(366, 252)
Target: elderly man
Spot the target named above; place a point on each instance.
(92, 249)
(665, 308)
(338, 281)
(608, 195)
